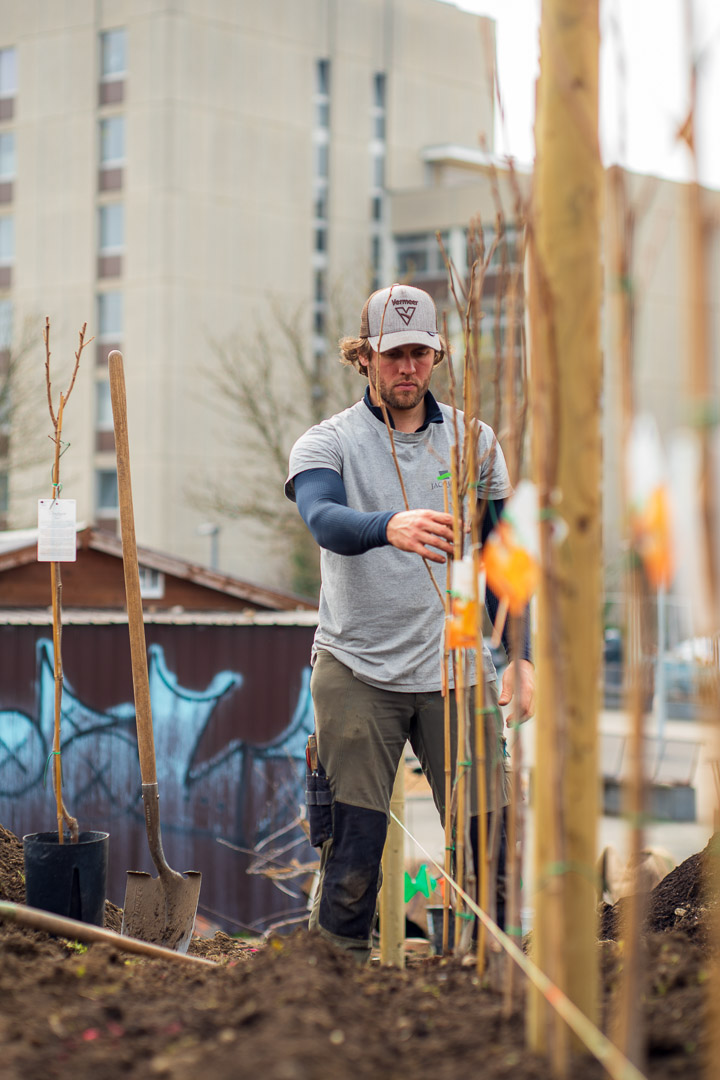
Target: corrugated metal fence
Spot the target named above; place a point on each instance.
(231, 713)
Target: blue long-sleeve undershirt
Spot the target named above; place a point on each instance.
(322, 502)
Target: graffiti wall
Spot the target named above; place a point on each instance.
(231, 714)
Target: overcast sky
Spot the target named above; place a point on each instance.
(648, 104)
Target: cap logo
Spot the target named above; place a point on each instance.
(405, 309)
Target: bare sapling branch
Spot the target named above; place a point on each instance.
(64, 817)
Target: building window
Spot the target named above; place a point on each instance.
(152, 583)
(110, 316)
(7, 156)
(7, 240)
(322, 160)
(106, 490)
(6, 325)
(112, 229)
(111, 239)
(112, 141)
(7, 250)
(110, 322)
(113, 47)
(104, 429)
(112, 153)
(322, 78)
(419, 255)
(321, 239)
(7, 166)
(8, 83)
(321, 204)
(379, 106)
(103, 406)
(113, 65)
(4, 493)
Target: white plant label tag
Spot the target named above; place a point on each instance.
(57, 532)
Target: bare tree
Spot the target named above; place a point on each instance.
(22, 441)
(269, 390)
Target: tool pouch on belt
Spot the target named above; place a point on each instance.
(317, 796)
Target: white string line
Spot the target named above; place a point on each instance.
(598, 1044)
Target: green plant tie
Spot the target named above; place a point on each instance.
(46, 765)
(464, 915)
(557, 869)
(513, 931)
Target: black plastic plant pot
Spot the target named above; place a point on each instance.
(67, 879)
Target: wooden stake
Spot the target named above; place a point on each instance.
(392, 893)
(567, 376)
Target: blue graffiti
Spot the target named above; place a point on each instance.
(100, 752)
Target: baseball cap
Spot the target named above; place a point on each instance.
(407, 316)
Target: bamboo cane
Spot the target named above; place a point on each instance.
(481, 869)
(56, 589)
(515, 824)
(447, 749)
(461, 787)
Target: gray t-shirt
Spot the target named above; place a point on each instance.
(379, 613)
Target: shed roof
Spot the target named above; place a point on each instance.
(19, 549)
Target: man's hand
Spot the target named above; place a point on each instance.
(421, 530)
(524, 672)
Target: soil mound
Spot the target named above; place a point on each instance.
(294, 1008)
(680, 902)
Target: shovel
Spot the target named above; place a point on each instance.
(160, 910)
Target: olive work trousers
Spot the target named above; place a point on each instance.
(361, 732)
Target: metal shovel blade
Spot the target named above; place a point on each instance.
(161, 909)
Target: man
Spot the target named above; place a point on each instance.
(376, 679)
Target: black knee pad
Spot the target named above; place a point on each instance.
(349, 887)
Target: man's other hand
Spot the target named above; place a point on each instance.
(420, 531)
(524, 672)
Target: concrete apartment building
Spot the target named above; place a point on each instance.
(174, 172)
(170, 169)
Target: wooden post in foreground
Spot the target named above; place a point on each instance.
(392, 893)
(566, 376)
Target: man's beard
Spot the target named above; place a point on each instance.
(396, 399)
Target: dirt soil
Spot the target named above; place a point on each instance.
(293, 1008)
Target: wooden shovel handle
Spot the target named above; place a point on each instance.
(136, 625)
